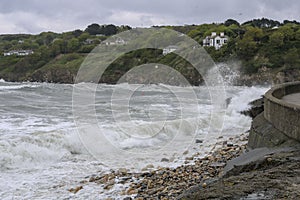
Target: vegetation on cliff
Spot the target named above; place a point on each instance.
(256, 44)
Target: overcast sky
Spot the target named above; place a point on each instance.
(35, 16)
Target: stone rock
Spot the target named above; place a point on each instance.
(257, 107)
(198, 141)
(167, 182)
(164, 160)
(123, 171)
(189, 158)
(185, 152)
(150, 166)
(229, 145)
(109, 185)
(131, 191)
(76, 189)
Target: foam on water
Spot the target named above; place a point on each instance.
(234, 121)
(17, 87)
(41, 154)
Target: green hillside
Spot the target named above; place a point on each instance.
(256, 44)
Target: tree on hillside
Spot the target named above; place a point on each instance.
(124, 28)
(109, 30)
(58, 46)
(262, 23)
(276, 39)
(93, 29)
(292, 58)
(229, 22)
(287, 32)
(73, 45)
(77, 32)
(45, 38)
(254, 33)
(83, 36)
(247, 48)
(291, 22)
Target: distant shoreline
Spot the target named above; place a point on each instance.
(263, 50)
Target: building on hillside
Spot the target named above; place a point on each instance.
(118, 41)
(100, 35)
(18, 53)
(215, 40)
(88, 41)
(169, 49)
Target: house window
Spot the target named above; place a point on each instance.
(218, 41)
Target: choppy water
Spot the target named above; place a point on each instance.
(42, 155)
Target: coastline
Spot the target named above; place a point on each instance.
(264, 76)
(167, 182)
(273, 175)
(228, 171)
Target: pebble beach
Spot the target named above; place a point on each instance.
(167, 182)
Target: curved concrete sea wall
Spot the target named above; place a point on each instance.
(280, 122)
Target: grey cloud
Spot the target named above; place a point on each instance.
(33, 16)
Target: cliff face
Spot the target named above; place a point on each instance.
(63, 69)
(266, 76)
(53, 76)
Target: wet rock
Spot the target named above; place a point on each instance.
(76, 189)
(109, 185)
(131, 191)
(122, 171)
(168, 183)
(257, 107)
(185, 152)
(198, 141)
(229, 145)
(189, 158)
(164, 160)
(123, 180)
(148, 167)
(246, 180)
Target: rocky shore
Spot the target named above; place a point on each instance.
(274, 174)
(169, 183)
(229, 171)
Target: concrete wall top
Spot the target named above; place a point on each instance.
(277, 92)
(283, 115)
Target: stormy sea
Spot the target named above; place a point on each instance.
(45, 145)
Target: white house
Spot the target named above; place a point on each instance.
(215, 40)
(169, 49)
(18, 52)
(118, 41)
